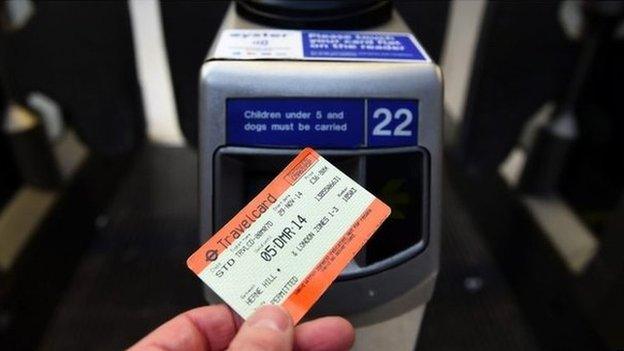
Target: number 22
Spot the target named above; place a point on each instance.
(386, 114)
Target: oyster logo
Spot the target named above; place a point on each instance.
(211, 255)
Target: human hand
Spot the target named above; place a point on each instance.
(269, 329)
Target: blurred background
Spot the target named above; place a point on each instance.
(98, 171)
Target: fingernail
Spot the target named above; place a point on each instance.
(270, 317)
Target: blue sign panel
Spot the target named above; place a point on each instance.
(392, 122)
(296, 122)
(322, 122)
(361, 45)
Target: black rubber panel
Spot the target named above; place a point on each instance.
(512, 78)
(81, 55)
(34, 157)
(10, 179)
(341, 14)
(189, 28)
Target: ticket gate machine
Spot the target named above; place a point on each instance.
(369, 101)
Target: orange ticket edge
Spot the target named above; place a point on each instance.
(208, 252)
(318, 281)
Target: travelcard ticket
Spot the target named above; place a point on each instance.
(292, 240)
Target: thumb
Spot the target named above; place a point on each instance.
(270, 328)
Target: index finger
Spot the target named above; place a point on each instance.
(203, 328)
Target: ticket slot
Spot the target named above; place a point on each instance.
(240, 175)
(397, 176)
(405, 192)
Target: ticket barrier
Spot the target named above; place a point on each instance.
(370, 101)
